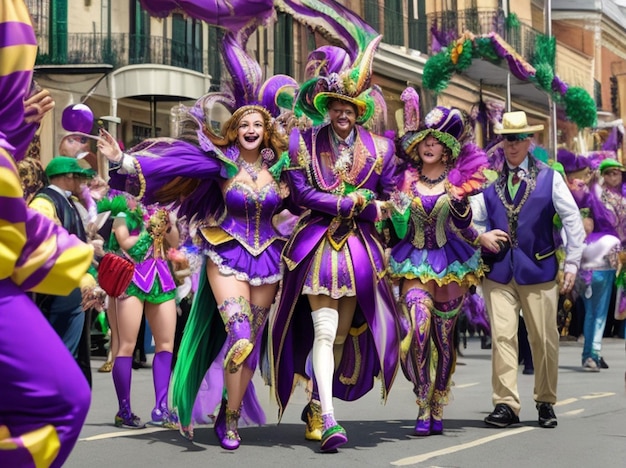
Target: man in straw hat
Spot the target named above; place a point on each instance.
(518, 211)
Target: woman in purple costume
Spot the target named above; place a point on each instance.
(436, 259)
(335, 301)
(229, 186)
(45, 397)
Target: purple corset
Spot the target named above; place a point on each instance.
(249, 214)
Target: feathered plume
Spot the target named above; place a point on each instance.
(337, 24)
(467, 177)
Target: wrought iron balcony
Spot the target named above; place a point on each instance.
(449, 25)
(117, 50)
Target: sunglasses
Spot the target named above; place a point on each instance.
(517, 137)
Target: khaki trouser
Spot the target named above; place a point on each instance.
(539, 304)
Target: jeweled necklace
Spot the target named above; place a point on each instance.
(430, 183)
(251, 168)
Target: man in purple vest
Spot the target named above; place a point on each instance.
(518, 211)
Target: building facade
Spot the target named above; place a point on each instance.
(134, 71)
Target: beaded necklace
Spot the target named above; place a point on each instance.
(430, 183)
(513, 211)
(251, 168)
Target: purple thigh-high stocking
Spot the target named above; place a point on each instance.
(122, 375)
(45, 396)
(161, 371)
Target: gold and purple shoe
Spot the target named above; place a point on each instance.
(128, 420)
(312, 417)
(162, 417)
(334, 436)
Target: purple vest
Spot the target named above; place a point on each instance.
(531, 259)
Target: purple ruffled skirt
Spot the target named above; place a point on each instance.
(233, 259)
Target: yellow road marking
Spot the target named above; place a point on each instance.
(128, 433)
(466, 385)
(597, 395)
(573, 412)
(457, 448)
(566, 402)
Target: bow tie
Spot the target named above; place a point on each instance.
(518, 174)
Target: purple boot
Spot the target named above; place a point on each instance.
(422, 425)
(161, 370)
(122, 374)
(226, 427)
(436, 418)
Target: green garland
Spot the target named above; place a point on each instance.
(512, 21)
(483, 48)
(438, 70)
(580, 107)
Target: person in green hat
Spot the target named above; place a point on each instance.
(58, 201)
(612, 193)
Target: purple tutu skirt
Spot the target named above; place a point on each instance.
(233, 259)
(456, 261)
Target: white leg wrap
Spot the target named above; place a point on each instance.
(325, 322)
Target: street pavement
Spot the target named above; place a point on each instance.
(591, 413)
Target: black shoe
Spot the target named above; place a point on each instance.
(603, 364)
(528, 371)
(502, 416)
(547, 418)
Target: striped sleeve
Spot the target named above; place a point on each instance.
(18, 51)
(35, 253)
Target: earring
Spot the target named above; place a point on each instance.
(267, 156)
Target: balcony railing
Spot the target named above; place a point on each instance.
(451, 24)
(118, 50)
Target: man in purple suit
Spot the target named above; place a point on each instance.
(336, 303)
(518, 210)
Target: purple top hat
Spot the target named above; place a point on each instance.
(444, 123)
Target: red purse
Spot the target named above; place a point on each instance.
(115, 274)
